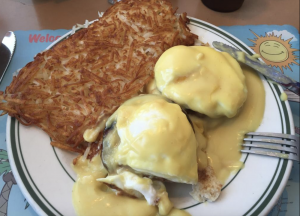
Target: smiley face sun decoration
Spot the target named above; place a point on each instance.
(275, 51)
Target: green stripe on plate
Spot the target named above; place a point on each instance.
(282, 171)
(216, 29)
(61, 163)
(21, 173)
(285, 162)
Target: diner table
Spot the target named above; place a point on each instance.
(255, 19)
(63, 14)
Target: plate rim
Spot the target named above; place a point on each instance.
(288, 115)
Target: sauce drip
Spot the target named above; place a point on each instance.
(93, 198)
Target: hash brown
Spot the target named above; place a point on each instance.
(70, 87)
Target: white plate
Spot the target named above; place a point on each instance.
(46, 178)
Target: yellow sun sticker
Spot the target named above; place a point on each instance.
(275, 51)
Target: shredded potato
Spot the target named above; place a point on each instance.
(91, 73)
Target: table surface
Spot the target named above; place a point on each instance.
(63, 14)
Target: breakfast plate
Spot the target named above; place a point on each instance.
(46, 178)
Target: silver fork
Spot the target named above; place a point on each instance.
(287, 147)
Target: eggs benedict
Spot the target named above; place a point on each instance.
(148, 140)
(202, 79)
(150, 134)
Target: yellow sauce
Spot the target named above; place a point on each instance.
(255, 56)
(224, 136)
(93, 198)
(202, 79)
(283, 96)
(91, 134)
(241, 57)
(213, 83)
(155, 134)
(202, 142)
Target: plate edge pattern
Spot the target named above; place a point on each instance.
(24, 180)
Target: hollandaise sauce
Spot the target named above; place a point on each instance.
(94, 198)
(225, 135)
(202, 79)
(91, 197)
(156, 139)
(213, 83)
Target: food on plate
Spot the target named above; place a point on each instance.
(225, 135)
(78, 83)
(147, 141)
(149, 137)
(148, 134)
(202, 79)
(283, 96)
(92, 197)
(218, 139)
(227, 100)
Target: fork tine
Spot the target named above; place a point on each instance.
(278, 135)
(274, 141)
(279, 148)
(289, 144)
(273, 154)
